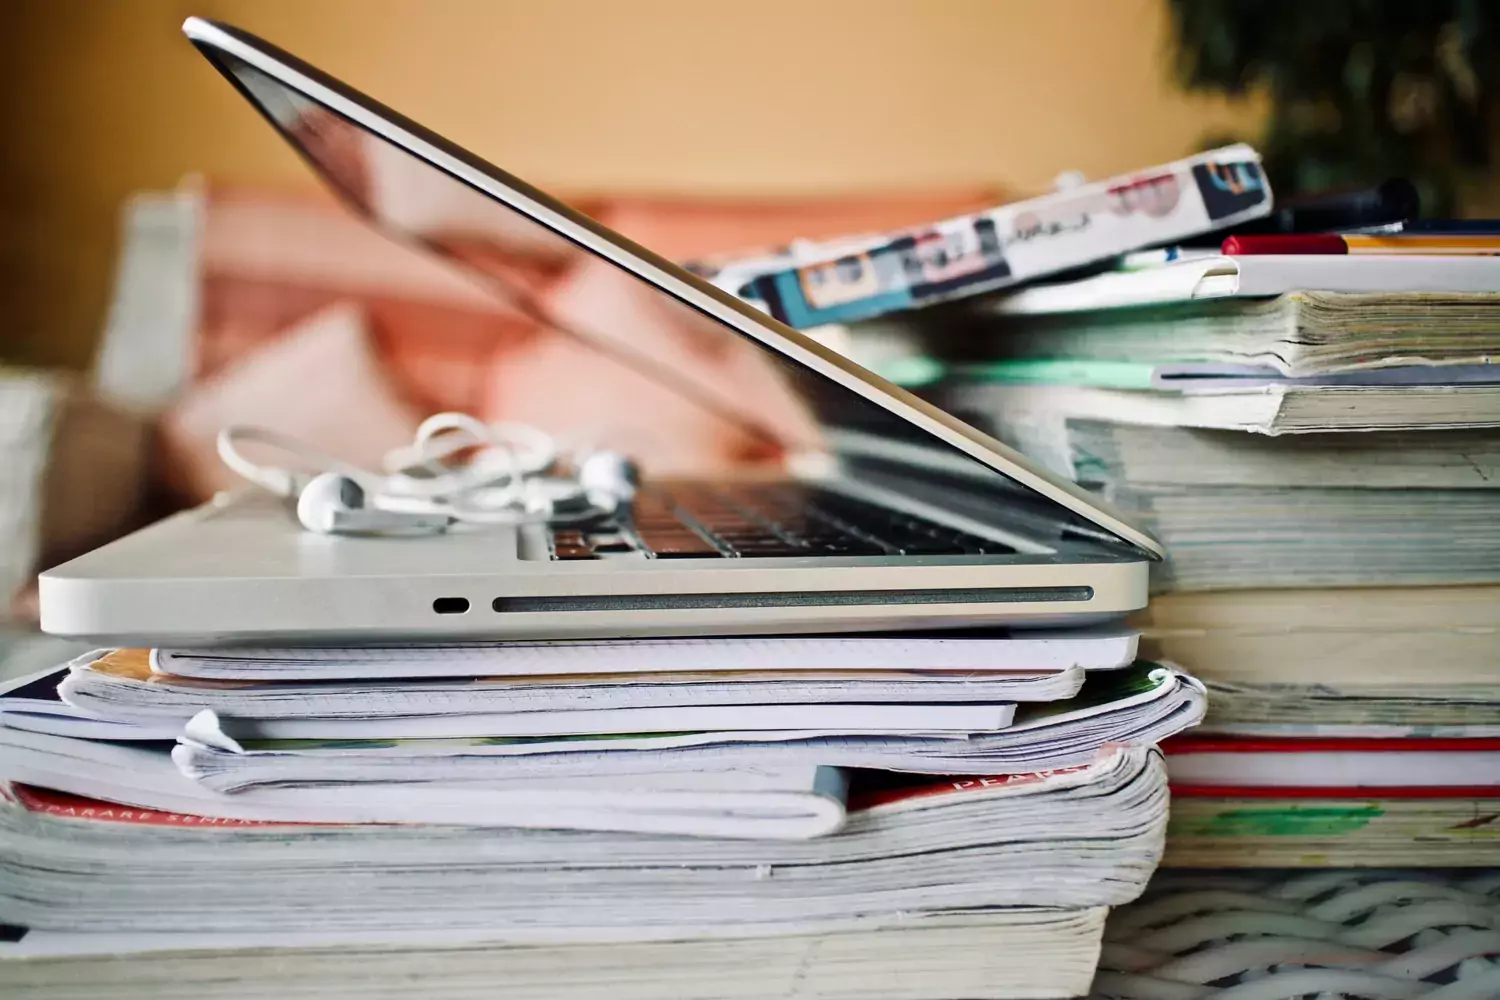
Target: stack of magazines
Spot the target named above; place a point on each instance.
(892, 817)
(559, 812)
(1313, 434)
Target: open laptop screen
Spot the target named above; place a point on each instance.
(789, 410)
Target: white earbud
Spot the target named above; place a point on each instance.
(608, 477)
(335, 504)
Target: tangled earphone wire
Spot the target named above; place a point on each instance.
(457, 470)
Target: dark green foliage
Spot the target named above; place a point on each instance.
(1360, 90)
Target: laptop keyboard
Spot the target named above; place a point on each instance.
(764, 521)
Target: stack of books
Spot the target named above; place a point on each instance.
(1334, 556)
(1285, 802)
(673, 815)
(1316, 440)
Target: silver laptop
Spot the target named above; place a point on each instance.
(889, 515)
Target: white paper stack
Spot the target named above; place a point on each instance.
(929, 684)
(968, 692)
(1297, 330)
(721, 862)
(661, 814)
(1251, 405)
(1082, 837)
(1313, 440)
(73, 731)
(1143, 704)
(995, 651)
(1295, 421)
(988, 954)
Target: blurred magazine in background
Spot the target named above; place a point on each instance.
(854, 278)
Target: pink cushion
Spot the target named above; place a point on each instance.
(584, 395)
(320, 383)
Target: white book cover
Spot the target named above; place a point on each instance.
(123, 679)
(1257, 276)
(1140, 705)
(790, 802)
(105, 694)
(1090, 650)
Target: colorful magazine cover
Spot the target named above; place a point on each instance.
(810, 284)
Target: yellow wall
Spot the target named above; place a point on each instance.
(101, 97)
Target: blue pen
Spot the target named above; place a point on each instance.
(1141, 259)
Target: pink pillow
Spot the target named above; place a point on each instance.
(321, 383)
(584, 396)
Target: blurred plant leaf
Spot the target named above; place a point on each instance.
(1359, 91)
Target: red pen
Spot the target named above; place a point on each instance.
(1299, 243)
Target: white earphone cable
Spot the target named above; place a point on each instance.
(280, 480)
(507, 477)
